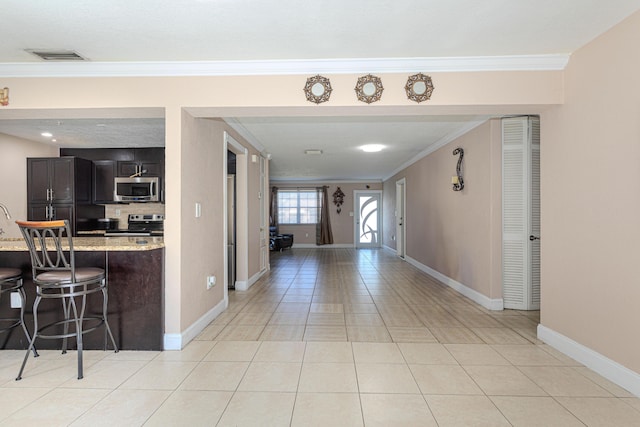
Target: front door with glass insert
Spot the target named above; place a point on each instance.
(368, 218)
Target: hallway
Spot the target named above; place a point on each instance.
(329, 337)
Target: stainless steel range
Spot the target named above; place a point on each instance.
(141, 225)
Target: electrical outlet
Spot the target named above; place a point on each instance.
(16, 300)
(118, 212)
(211, 281)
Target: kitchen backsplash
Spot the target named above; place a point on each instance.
(111, 211)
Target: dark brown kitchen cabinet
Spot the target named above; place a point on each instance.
(146, 162)
(104, 171)
(37, 211)
(60, 188)
(109, 163)
(51, 180)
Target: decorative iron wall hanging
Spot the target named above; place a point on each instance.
(318, 89)
(369, 88)
(419, 87)
(458, 183)
(338, 199)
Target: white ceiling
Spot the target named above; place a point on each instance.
(144, 34)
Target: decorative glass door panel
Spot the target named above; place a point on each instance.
(367, 219)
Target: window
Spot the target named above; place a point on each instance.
(298, 206)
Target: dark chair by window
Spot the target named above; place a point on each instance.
(278, 242)
(56, 277)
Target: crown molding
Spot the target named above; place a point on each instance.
(437, 145)
(245, 133)
(285, 67)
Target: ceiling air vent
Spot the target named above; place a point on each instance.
(57, 55)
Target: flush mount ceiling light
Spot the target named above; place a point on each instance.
(372, 148)
(313, 152)
(47, 134)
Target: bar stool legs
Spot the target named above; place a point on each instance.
(11, 281)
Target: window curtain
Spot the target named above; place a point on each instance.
(273, 208)
(324, 236)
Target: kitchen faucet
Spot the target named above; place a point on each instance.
(6, 211)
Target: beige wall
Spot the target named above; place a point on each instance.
(202, 238)
(590, 197)
(233, 96)
(455, 233)
(341, 223)
(13, 178)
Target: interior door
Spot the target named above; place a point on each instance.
(368, 219)
(521, 213)
(400, 218)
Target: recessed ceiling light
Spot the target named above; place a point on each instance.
(313, 152)
(54, 140)
(372, 148)
(47, 134)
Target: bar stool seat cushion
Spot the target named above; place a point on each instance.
(9, 273)
(83, 274)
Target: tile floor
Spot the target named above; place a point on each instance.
(330, 337)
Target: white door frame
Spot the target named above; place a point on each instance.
(356, 218)
(242, 220)
(401, 217)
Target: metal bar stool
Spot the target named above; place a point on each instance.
(11, 281)
(57, 277)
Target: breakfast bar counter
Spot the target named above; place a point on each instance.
(135, 275)
(97, 243)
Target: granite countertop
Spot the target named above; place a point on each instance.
(95, 244)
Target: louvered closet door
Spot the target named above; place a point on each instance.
(521, 212)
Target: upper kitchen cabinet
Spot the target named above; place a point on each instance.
(109, 163)
(146, 162)
(58, 180)
(60, 188)
(104, 172)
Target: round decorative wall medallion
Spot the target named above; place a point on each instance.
(369, 88)
(318, 89)
(419, 87)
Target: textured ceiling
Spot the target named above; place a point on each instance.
(215, 30)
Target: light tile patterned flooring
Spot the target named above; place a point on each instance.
(330, 337)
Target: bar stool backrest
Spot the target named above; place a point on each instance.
(50, 246)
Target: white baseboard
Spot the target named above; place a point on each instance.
(314, 246)
(610, 369)
(244, 285)
(178, 341)
(389, 248)
(488, 303)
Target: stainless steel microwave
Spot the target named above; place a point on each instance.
(136, 189)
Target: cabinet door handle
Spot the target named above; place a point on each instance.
(48, 189)
(53, 212)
